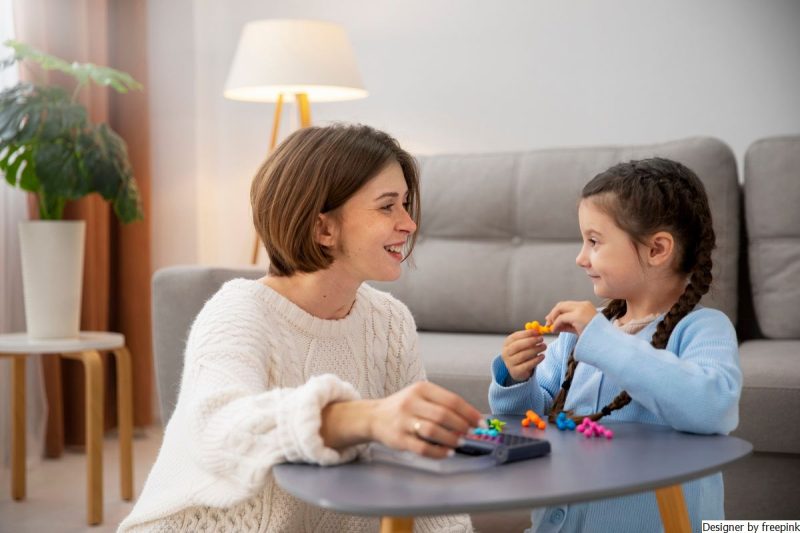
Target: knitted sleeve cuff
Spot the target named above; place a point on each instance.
(239, 438)
(299, 418)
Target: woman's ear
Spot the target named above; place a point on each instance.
(661, 248)
(325, 230)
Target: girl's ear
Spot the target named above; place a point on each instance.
(325, 230)
(661, 248)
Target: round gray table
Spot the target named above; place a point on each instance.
(639, 458)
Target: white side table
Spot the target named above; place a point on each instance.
(86, 350)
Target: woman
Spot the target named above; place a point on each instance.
(308, 363)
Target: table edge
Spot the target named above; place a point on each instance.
(513, 504)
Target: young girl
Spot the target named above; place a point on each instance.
(308, 363)
(652, 354)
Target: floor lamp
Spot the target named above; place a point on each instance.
(307, 60)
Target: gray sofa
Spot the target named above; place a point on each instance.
(765, 484)
(496, 249)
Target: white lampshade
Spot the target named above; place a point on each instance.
(293, 56)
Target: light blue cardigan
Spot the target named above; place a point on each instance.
(693, 385)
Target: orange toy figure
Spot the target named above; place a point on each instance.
(538, 327)
(533, 418)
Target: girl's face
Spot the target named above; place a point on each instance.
(370, 229)
(609, 256)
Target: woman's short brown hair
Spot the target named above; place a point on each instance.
(316, 170)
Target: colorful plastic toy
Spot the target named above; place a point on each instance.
(533, 418)
(590, 429)
(486, 434)
(563, 423)
(538, 327)
(494, 424)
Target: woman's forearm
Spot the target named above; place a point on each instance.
(347, 423)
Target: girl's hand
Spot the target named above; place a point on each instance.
(522, 351)
(571, 317)
(423, 418)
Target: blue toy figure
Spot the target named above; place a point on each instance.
(652, 354)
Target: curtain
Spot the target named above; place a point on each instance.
(13, 209)
(116, 285)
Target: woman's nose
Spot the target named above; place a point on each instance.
(407, 223)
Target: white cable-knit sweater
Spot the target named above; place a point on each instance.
(258, 370)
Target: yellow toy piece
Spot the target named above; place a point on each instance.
(538, 327)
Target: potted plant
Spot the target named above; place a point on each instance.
(49, 147)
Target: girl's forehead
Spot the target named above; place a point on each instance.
(589, 208)
(595, 217)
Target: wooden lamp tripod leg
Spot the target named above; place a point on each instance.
(303, 109)
(304, 113)
(273, 140)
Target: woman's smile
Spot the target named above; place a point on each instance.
(395, 250)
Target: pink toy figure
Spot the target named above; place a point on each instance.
(590, 429)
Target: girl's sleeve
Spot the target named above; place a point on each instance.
(694, 388)
(239, 429)
(537, 392)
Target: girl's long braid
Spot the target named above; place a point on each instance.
(696, 258)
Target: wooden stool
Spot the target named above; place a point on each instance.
(86, 350)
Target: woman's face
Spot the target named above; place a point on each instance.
(371, 228)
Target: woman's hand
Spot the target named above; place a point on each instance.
(423, 418)
(522, 352)
(571, 317)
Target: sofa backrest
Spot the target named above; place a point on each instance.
(179, 294)
(772, 215)
(499, 232)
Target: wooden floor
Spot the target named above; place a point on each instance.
(57, 489)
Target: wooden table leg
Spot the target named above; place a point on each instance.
(54, 436)
(18, 429)
(125, 416)
(672, 506)
(93, 370)
(397, 524)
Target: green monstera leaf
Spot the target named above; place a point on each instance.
(49, 147)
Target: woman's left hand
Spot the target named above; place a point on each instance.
(571, 317)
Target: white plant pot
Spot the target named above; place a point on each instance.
(52, 276)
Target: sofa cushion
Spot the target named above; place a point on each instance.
(772, 196)
(499, 232)
(461, 363)
(770, 395)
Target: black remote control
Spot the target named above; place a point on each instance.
(505, 447)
